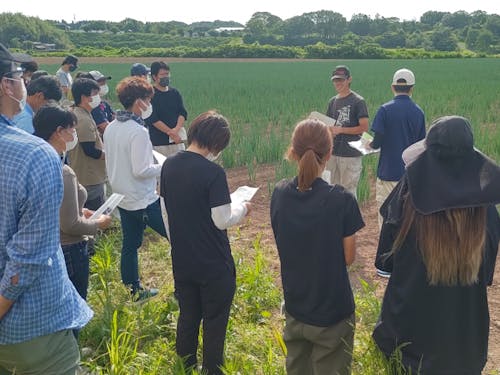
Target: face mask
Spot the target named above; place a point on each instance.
(96, 100)
(72, 144)
(145, 113)
(210, 156)
(103, 91)
(164, 81)
(22, 101)
(72, 68)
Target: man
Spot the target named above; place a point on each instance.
(103, 114)
(40, 91)
(166, 122)
(87, 158)
(69, 65)
(39, 307)
(350, 113)
(398, 124)
(140, 70)
(29, 68)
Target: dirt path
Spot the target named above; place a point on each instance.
(258, 223)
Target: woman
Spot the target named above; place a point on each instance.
(131, 172)
(57, 126)
(199, 210)
(440, 240)
(314, 225)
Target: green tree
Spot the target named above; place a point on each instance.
(443, 39)
(457, 20)
(329, 25)
(360, 24)
(432, 18)
(263, 23)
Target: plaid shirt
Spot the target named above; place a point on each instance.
(31, 189)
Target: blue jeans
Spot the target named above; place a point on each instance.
(77, 264)
(133, 225)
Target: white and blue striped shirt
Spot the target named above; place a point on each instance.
(31, 190)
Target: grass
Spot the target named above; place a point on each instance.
(128, 338)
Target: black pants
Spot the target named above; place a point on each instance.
(77, 264)
(208, 301)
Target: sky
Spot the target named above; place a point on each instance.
(241, 11)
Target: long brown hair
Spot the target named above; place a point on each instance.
(311, 146)
(451, 242)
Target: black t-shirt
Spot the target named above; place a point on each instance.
(309, 228)
(167, 107)
(191, 185)
(442, 329)
(347, 111)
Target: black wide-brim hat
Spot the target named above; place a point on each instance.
(450, 173)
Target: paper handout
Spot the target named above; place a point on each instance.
(363, 144)
(108, 206)
(322, 117)
(243, 194)
(160, 159)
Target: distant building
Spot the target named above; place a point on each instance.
(229, 29)
(44, 46)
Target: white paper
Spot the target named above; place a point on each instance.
(108, 206)
(183, 134)
(363, 144)
(322, 117)
(243, 194)
(160, 158)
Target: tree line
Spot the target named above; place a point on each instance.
(320, 34)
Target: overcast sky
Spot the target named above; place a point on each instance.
(189, 11)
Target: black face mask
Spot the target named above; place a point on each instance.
(72, 68)
(164, 81)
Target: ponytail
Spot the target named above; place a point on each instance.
(311, 146)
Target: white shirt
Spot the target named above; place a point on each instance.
(129, 163)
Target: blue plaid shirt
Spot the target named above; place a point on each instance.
(31, 190)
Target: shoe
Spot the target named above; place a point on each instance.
(384, 274)
(141, 294)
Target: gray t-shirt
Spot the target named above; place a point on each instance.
(347, 111)
(65, 80)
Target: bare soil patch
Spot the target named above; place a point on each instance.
(258, 224)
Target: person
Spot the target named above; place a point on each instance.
(140, 70)
(314, 225)
(29, 68)
(169, 114)
(440, 241)
(63, 74)
(103, 114)
(129, 162)
(350, 113)
(87, 159)
(40, 91)
(56, 125)
(39, 307)
(198, 211)
(398, 124)
(38, 74)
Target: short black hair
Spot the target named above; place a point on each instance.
(49, 117)
(404, 89)
(83, 86)
(30, 66)
(156, 66)
(38, 74)
(48, 85)
(70, 59)
(210, 130)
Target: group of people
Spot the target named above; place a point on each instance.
(438, 241)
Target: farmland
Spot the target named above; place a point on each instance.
(263, 100)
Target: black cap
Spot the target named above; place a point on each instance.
(139, 69)
(70, 59)
(341, 71)
(8, 60)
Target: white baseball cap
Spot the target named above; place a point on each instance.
(405, 75)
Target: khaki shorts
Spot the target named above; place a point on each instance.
(345, 172)
(383, 189)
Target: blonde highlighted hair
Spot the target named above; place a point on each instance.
(451, 242)
(311, 147)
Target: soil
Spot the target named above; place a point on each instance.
(258, 224)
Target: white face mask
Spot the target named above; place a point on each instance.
(103, 91)
(22, 101)
(145, 113)
(210, 156)
(96, 100)
(72, 144)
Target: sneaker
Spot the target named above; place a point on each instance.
(383, 273)
(141, 294)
